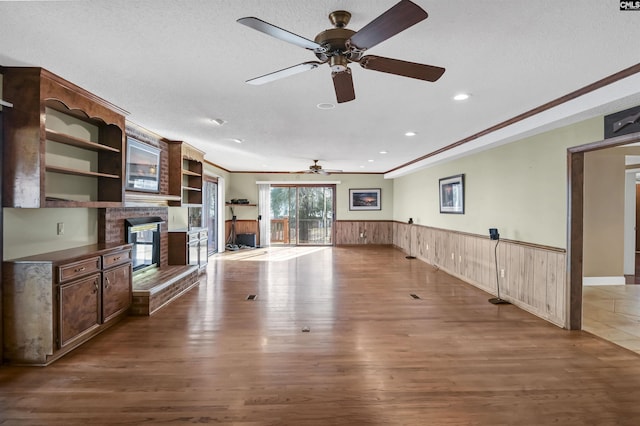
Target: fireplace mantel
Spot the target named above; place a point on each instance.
(137, 199)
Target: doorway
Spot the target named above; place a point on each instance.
(576, 218)
(302, 214)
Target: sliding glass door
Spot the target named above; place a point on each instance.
(302, 215)
(210, 208)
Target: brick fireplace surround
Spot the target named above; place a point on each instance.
(151, 291)
(111, 225)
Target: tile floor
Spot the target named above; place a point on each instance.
(613, 313)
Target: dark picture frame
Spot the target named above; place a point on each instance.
(365, 199)
(143, 167)
(451, 190)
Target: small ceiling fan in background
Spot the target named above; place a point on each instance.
(317, 169)
(340, 46)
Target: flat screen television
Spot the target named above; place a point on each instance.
(143, 166)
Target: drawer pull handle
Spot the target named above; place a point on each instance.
(79, 269)
(115, 259)
(106, 282)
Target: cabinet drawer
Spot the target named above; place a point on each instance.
(193, 236)
(78, 269)
(117, 258)
(204, 234)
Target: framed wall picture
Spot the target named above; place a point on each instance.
(452, 194)
(365, 199)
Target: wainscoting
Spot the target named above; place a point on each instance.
(242, 227)
(351, 232)
(534, 276)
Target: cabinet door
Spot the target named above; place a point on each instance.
(194, 249)
(116, 291)
(203, 253)
(79, 308)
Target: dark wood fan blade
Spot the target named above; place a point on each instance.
(277, 75)
(279, 33)
(403, 68)
(343, 83)
(400, 17)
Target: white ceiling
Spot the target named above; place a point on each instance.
(174, 65)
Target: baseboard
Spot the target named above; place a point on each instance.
(603, 280)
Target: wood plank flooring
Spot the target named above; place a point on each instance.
(373, 356)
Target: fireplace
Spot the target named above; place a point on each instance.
(144, 234)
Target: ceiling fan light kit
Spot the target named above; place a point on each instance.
(317, 169)
(340, 46)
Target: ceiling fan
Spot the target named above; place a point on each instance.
(339, 46)
(317, 169)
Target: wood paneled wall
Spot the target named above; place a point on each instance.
(534, 276)
(352, 232)
(242, 227)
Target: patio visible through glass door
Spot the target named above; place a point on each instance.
(302, 215)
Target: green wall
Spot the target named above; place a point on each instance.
(519, 188)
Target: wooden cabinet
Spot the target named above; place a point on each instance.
(79, 303)
(116, 285)
(185, 173)
(63, 145)
(189, 248)
(55, 301)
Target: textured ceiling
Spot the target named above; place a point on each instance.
(176, 64)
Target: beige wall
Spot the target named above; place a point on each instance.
(243, 185)
(34, 231)
(604, 182)
(519, 188)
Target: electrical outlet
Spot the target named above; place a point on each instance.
(460, 259)
(60, 228)
(453, 256)
(427, 246)
(502, 273)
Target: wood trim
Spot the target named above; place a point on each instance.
(575, 222)
(563, 99)
(575, 170)
(93, 98)
(471, 234)
(346, 221)
(606, 143)
(216, 165)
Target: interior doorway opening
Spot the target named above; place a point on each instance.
(576, 197)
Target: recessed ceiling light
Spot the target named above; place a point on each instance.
(236, 140)
(218, 121)
(384, 152)
(370, 161)
(325, 106)
(461, 96)
(362, 167)
(410, 134)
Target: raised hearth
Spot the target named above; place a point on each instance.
(155, 288)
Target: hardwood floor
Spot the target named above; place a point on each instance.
(374, 355)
